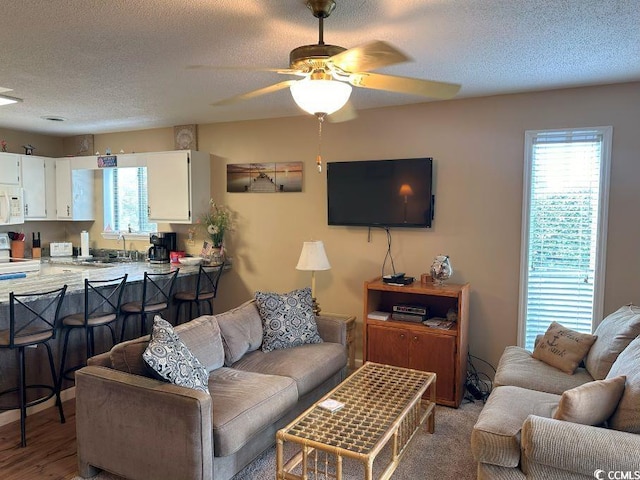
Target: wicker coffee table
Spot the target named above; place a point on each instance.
(382, 403)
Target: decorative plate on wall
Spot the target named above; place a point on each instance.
(185, 137)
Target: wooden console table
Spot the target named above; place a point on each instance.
(414, 345)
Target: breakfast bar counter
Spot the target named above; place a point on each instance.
(56, 273)
(59, 272)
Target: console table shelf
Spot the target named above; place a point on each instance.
(414, 345)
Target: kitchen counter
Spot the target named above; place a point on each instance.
(74, 276)
(60, 271)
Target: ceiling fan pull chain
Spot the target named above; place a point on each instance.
(319, 157)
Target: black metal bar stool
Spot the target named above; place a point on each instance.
(205, 291)
(102, 299)
(31, 325)
(157, 289)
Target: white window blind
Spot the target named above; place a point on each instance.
(566, 190)
(126, 201)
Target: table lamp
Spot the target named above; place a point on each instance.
(313, 258)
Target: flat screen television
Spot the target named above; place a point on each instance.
(381, 193)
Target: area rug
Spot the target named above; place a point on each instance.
(445, 455)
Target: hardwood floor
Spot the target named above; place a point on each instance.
(51, 447)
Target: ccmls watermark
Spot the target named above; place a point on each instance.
(616, 475)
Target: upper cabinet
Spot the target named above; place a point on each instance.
(9, 168)
(74, 192)
(178, 185)
(35, 187)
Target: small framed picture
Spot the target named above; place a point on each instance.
(207, 249)
(185, 137)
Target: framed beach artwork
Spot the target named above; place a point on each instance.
(264, 177)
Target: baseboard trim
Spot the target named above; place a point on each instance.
(11, 416)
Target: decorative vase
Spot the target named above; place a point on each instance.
(441, 269)
(217, 255)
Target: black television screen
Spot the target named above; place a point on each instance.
(384, 193)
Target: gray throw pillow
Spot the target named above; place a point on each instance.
(170, 358)
(614, 333)
(627, 415)
(241, 331)
(287, 319)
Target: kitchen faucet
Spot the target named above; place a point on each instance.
(124, 244)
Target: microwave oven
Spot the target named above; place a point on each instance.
(11, 205)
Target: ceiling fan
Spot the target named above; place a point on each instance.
(330, 71)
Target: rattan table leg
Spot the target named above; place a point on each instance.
(432, 399)
(279, 458)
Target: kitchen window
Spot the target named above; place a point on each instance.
(566, 189)
(125, 201)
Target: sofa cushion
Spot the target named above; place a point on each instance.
(614, 333)
(244, 403)
(167, 355)
(127, 357)
(563, 348)
(495, 438)
(202, 337)
(627, 415)
(241, 330)
(287, 319)
(518, 368)
(308, 365)
(592, 403)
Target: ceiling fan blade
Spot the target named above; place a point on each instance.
(284, 71)
(346, 113)
(367, 57)
(255, 93)
(414, 86)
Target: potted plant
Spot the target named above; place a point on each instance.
(216, 221)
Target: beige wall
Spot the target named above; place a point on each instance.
(46, 145)
(477, 145)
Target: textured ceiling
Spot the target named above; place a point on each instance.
(114, 65)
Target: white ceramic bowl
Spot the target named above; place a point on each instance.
(190, 260)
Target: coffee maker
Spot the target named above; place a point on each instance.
(162, 243)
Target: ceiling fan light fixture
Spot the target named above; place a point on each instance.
(320, 96)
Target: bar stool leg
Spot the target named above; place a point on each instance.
(56, 383)
(63, 358)
(143, 324)
(22, 390)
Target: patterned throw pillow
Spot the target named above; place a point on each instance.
(563, 348)
(168, 356)
(287, 320)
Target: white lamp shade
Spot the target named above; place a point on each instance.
(313, 257)
(320, 96)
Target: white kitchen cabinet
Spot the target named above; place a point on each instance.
(9, 168)
(74, 192)
(178, 185)
(35, 187)
(50, 187)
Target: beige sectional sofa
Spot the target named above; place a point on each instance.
(141, 428)
(516, 436)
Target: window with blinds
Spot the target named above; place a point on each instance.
(563, 236)
(125, 200)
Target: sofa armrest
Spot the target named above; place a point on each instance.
(577, 448)
(119, 416)
(332, 329)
